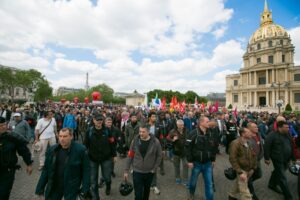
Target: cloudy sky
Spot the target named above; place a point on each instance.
(136, 44)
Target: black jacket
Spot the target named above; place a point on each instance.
(76, 172)
(100, 144)
(279, 147)
(202, 147)
(10, 144)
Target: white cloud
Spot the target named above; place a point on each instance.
(63, 65)
(218, 33)
(295, 36)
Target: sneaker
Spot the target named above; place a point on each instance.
(113, 175)
(107, 191)
(156, 190)
(178, 181)
(162, 172)
(191, 197)
(185, 183)
(41, 168)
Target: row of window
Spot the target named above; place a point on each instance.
(296, 98)
(262, 80)
(270, 44)
(271, 59)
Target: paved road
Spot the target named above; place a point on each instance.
(24, 185)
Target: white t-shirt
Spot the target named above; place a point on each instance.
(49, 131)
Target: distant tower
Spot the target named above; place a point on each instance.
(86, 87)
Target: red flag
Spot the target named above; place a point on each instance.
(182, 106)
(202, 106)
(210, 109)
(189, 106)
(216, 106)
(235, 112)
(196, 103)
(163, 103)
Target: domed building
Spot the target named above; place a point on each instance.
(268, 78)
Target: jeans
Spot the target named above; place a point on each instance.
(206, 170)
(141, 184)
(106, 167)
(177, 160)
(7, 178)
(278, 178)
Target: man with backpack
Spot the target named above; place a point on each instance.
(102, 152)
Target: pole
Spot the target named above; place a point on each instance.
(279, 97)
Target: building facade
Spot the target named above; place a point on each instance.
(135, 99)
(269, 77)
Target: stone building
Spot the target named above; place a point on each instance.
(268, 76)
(135, 99)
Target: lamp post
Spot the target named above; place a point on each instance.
(279, 102)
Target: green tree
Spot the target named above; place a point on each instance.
(43, 91)
(288, 107)
(229, 106)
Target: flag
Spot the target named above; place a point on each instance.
(156, 99)
(196, 103)
(235, 112)
(181, 105)
(163, 103)
(156, 102)
(216, 106)
(202, 106)
(210, 109)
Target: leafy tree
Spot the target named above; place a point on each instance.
(43, 92)
(288, 107)
(229, 106)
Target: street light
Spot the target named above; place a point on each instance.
(279, 102)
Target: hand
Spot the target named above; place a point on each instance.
(190, 165)
(243, 177)
(35, 141)
(250, 173)
(29, 169)
(175, 138)
(125, 176)
(267, 162)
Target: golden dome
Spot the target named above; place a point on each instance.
(267, 28)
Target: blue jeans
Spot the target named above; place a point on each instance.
(206, 169)
(106, 167)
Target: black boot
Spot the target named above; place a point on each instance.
(107, 191)
(231, 198)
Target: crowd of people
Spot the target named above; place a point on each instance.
(75, 141)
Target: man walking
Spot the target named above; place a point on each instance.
(201, 156)
(243, 161)
(9, 146)
(45, 131)
(66, 168)
(144, 155)
(278, 148)
(21, 127)
(102, 152)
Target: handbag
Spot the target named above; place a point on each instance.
(230, 173)
(37, 147)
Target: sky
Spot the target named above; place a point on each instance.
(137, 45)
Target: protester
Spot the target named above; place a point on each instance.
(21, 127)
(244, 162)
(201, 156)
(10, 145)
(144, 156)
(66, 169)
(45, 132)
(279, 149)
(102, 153)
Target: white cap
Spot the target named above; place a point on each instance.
(17, 115)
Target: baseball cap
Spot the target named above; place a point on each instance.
(17, 115)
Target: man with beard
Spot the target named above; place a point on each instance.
(131, 129)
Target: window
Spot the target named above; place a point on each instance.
(258, 60)
(296, 77)
(235, 82)
(283, 58)
(281, 42)
(258, 46)
(235, 98)
(297, 98)
(270, 59)
(270, 43)
(262, 80)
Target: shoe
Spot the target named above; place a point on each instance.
(254, 197)
(231, 198)
(191, 197)
(275, 189)
(101, 183)
(162, 172)
(41, 168)
(156, 190)
(178, 181)
(185, 183)
(107, 191)
(113, 175)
